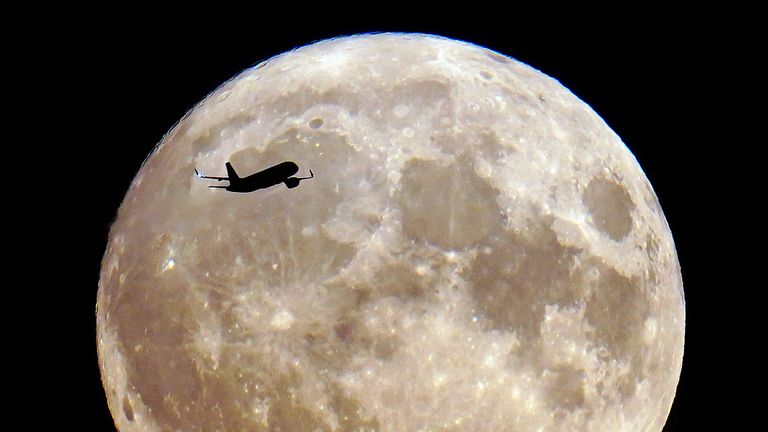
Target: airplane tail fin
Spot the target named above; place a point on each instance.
(231, 172)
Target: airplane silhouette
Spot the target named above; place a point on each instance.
(280, 173)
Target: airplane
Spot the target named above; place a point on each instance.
(280, 173)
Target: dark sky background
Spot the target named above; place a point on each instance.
(135, 81)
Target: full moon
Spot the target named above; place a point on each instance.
(477, 251)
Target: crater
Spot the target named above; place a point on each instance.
(499, 58)
(610, 206)
(127, 408)
(447, 206)
(316, 123)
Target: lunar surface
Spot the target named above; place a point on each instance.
(477, 251)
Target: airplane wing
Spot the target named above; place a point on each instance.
(200, 175)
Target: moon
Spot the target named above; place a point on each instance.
(477, 251)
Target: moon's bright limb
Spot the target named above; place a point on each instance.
(478, 251)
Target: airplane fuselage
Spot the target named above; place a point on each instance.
(263, 179)
(274, 175)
